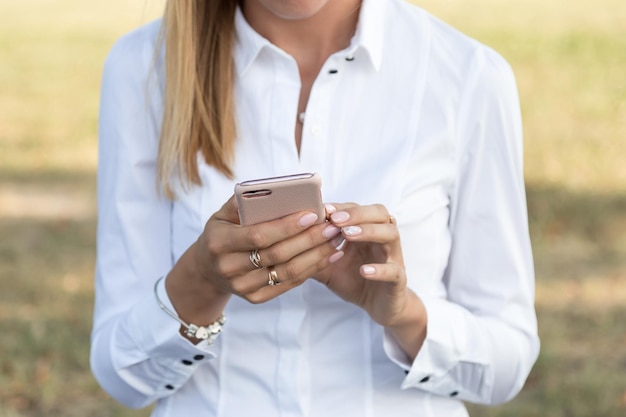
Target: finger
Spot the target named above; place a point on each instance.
(241, 262)
(295, 271)
(280, 252)
(350, 215)
(388, 272)
(263, 235)
(249, 283)
(375, 233)
(310, 262)
(330, 208)
(292, 273)
(287, 249)
(228, 212)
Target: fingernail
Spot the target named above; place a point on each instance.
(338, 242)
(340, 216)
(368, 270)
(330, 208)
(330, 231)
(352, 230)
(308, 219)
(335, 257)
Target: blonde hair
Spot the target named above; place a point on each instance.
(198, 110)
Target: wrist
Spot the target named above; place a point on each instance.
(410, 329)
(191, 331)
(195, 298)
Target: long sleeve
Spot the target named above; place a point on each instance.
(482, 337)
(137, 354)
(413, 115)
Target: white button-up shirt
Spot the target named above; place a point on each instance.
(413, 115)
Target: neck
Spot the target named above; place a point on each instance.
(310, 36)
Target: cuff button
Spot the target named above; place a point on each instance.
(186, 362)
(169, 387)
(198, 357)
(454, 393)
(425, 379)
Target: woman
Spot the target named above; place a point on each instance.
(400, 114)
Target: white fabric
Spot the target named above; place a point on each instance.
(423, 120)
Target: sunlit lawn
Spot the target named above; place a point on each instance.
(570, 61)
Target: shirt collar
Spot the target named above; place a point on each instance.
(248, 43)
(370, 31)
(368, 37)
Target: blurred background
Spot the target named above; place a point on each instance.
(570, 60)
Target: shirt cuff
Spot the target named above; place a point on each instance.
(440, 359)
(154, 358)
(156, 335)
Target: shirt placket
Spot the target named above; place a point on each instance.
(316, 136)
(283, 108)
(291, 314)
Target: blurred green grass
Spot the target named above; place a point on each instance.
(570, 62)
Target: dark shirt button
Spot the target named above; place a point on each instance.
(406, 372)
(333, 71)
(454, 393)
(350, 58)
(169, 387)
(425, 379)
(198, 357)
(186, 362)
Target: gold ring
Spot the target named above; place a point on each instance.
(255, 258)
(392, 219)
(272, 277)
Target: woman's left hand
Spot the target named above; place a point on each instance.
(369, 272)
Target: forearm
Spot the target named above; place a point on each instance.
(194, 297)
(410, 332)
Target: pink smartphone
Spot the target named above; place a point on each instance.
(267, 199)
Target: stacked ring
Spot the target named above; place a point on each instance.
(272, 277)
(255, 258)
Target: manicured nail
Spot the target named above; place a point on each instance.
(330, 209)
(338, 242)
(340, 216)
(352, 230)
(335, 257)
(368, 270)
(308, 219)
(330, 231)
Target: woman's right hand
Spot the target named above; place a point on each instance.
(218, 264)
